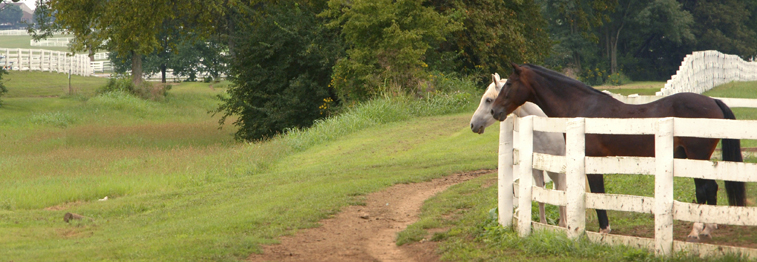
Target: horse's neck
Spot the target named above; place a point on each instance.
(571, 101)
(529, 109)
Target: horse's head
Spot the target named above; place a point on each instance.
(517, 90)
(483, 117)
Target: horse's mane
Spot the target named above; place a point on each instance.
(562, 78)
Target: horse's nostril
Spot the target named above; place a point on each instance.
(492, 111)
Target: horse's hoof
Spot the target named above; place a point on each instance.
(605, 231)
(705, 236)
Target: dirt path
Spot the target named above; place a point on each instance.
(367, 233)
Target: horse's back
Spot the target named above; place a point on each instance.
(692, 105)
(684, 105)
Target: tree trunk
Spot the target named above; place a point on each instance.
(136, 68)
(614, 58)
(91, 53)
(614, 51)
(607, 42)
(163, 73)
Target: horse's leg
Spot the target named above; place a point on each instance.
(597, 185)
(706, 193)
(539, 181)
(559, 182)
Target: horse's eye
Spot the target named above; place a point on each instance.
(488, 100)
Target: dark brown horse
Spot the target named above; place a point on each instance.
(561, 96)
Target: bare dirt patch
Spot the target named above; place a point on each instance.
(367, 233)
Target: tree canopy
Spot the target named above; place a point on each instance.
(127, 28)
(294, 61)
(282, 69)
(10, 14)
(387, 41)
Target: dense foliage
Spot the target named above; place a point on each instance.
(10, 16)
(387, 43)
(602, 40)
(281, 71)
(494, 32)
(290, 68)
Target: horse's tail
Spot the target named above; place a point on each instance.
(732, 152)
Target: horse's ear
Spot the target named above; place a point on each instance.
(516, 68)
(495, 78)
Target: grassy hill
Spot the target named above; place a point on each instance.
(180, 189)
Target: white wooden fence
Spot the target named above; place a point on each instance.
(14, 32)
(56, 41)
(703, 70)
(575, 165)
(45, 60)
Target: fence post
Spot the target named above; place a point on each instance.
(663, 192)
(526, 179)
(575, 152)
(505, 173)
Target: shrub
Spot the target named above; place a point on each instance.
(117, 84)
(3, 90)
(593, 77)
(617, 79)
(145, 90)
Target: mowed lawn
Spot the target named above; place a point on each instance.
(24, 42)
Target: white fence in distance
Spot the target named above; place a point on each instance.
(56, 41)
(45, 60)
(575, 164)
(14, 32)
(703, 70)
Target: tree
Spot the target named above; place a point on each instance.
(10, 14)
(647, 20)
(187, 56)
(495, 32)
(128, 28)
(283, 66)
(574, 25)
(725, 25)
(387, 43)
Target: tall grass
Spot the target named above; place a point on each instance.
(377, 112)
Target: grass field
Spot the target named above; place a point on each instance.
(23, 42)
(180, 189)
(644, 88)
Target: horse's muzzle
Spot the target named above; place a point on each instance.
(500, 116)
(477, 129)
